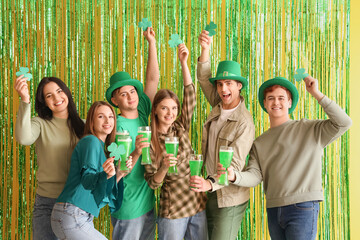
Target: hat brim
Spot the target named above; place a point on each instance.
(243, 80)
(282, 82)
(129, 82)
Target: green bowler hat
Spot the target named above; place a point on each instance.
(229, 70)
(121, 79)
(282, 82)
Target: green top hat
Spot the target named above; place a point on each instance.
(229, 70)
(282, 82)
(121, 79)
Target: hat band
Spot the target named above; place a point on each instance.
(226, 73)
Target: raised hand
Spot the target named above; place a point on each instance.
(22, 88)
(312, 86)
(205, 40)
(183, 53)
(150, 35)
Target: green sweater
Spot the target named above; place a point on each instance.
(52, 146)
(87, 186)
(287, 158)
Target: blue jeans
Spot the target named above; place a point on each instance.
(41, 221)
(142, 228)
(70, 222)
(297, 221)
(194, 227)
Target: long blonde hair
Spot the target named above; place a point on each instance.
(160, 95)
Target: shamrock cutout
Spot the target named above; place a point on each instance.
(175, 40)
(24, 71)
(144, 24)
(301, 74)
(115, 150)
(211, 28)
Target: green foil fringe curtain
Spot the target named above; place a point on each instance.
(84, 42)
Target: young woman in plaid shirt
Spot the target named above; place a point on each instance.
(182, 211)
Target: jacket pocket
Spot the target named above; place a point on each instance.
(226, 136)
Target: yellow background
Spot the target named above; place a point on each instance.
(355, 115)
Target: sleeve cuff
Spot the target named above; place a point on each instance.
(325, 101)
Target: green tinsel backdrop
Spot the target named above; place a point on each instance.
(84, 42)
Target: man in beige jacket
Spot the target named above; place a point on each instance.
(228, 124)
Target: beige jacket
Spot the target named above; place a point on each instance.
(238, 132)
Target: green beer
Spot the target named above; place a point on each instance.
(124, 141)
(125, 147)
(172, 146)
(195, 163)
(146, 133)
(225, 155)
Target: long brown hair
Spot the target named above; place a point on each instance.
(160, 95)
(89, 125)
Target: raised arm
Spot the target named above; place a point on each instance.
(183, 54)
(152, 68)
(27, 130)
(337, 124)
(204, 69)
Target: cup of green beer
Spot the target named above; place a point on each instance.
(124, 142)
(225, 155)
(145, 131)
(172, 146)
(195, 162)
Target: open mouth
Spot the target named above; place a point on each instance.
(226, 96)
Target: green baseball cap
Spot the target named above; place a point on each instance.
(229, 70)
(121, 79)
(282, 82)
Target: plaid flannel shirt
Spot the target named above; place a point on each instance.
(176, 198)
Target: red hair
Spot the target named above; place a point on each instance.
(273, 87)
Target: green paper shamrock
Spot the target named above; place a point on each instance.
(24, 71)
(301, 74)
(175, 40)
(115, 150)
(211, 28)
(144, 24)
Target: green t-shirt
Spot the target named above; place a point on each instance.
(138, 198)
(87, 186)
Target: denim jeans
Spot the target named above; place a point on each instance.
(142, 228)
(188, 228)
(41, 221)
(297, 221)
(223, 223)
(70, 222)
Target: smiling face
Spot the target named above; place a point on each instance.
(56, 100)
(277, 103)
(229, 92)
(103, 122)
(126, 98)
(166, 112)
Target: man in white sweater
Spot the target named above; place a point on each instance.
(287, 158)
